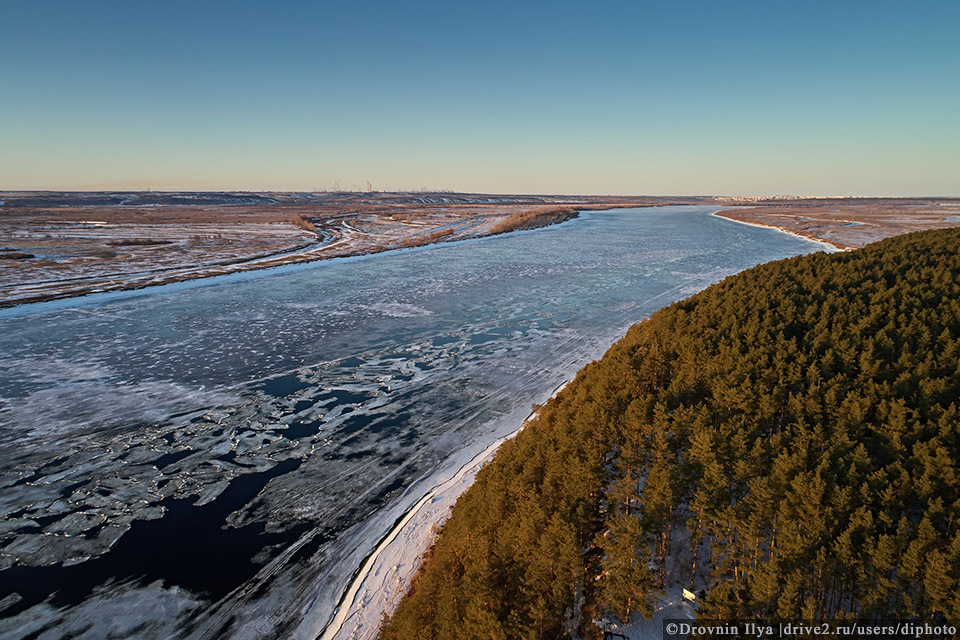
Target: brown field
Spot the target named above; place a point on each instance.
(56, 245)
(849, 223)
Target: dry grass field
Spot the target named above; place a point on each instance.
(849, 223)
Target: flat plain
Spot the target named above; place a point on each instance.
(64, 244)
(849, 223)
(57, 245)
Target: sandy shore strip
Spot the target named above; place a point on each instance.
(384, 576)
(829, 247)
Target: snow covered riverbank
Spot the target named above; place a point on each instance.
(386, 573)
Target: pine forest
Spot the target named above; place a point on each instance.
(783, 444)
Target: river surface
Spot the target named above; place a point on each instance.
(215, 458)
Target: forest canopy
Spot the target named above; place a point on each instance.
(784, 443)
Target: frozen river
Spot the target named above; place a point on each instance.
(214, 459)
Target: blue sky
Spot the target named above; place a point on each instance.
(838, 97)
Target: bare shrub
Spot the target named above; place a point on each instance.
(304, 224)
(534, 219)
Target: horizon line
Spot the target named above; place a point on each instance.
(784, 196)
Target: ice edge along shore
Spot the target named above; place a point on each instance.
(405, 554)
(829, 247)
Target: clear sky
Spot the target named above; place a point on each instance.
(808, 97)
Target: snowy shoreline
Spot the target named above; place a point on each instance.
(828, 246)
(382, 579)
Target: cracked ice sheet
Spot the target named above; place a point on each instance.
(245, 444)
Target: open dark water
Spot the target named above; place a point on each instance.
(213, 459)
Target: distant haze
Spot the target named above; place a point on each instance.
(655, 97)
